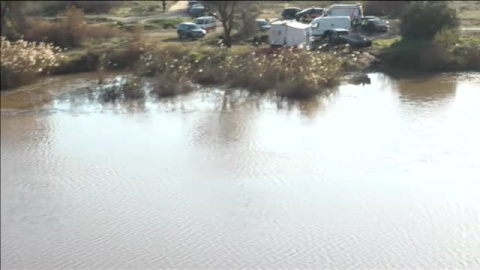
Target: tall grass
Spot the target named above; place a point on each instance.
(293, 74)
(22, 61)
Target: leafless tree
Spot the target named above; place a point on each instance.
(229, 13)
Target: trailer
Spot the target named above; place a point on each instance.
(289, 33)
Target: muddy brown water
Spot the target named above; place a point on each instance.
(385, 175)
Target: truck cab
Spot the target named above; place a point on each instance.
(324, 27)
(354, 11)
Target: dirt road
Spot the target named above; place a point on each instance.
(177, 10)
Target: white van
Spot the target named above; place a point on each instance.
(322, 27)
(354, 11)
(208, 23)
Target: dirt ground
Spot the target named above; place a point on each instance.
(468, 12)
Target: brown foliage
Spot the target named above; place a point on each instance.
(126, 57)
(72, 31)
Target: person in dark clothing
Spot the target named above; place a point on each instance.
(164, 5)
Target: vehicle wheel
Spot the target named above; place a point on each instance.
(330, 38)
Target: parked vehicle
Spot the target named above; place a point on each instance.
(354, 11)
(289, 33)
(371, 24)
(354, 40)
(191, 4)
(190, 30)
(309, 14)
(207, 22)
(198, 10)
(263, 25)
(289, 13)
(322, 27)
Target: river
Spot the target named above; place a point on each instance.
(385, 175)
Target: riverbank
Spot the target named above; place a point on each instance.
(428, 56)
(258, 69)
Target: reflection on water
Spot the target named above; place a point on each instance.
(426, 89)
(384, 175)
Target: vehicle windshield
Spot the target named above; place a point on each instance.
(199, 21)
(262, 23)
(189, 26)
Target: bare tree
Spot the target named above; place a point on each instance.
(229, 14)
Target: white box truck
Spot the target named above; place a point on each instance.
(289, 33)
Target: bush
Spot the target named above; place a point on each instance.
(247, 25)
(252, 70)
(169, 23)
(423, 19)
(137, 32)
(22, 61)
(467, 57)
(446, 37)
(72, 31)
(74, 26)
(168, 86)
(56, 7)
(429, 56)
(126, 57)
(133, 88)
(84, 63)
(102, 32)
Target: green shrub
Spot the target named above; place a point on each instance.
(428, 56)
(423, 19)
(447, 37)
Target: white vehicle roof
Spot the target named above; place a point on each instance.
(298, 25)
(282, 22)
(345, 5)
(291, 23)
(204, 18)
(331, 18)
